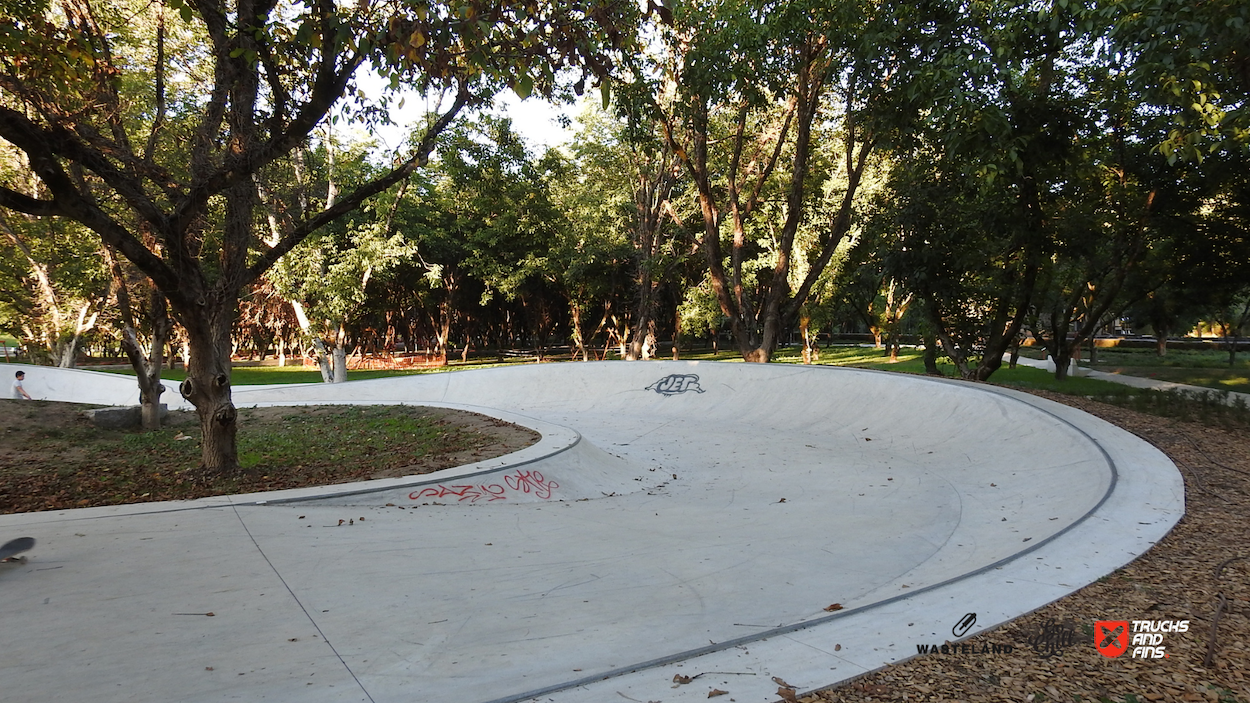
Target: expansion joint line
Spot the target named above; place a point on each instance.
(307, 614)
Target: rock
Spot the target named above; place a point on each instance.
(120, 418)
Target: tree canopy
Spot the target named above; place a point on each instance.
(974, 173)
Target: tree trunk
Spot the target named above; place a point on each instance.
(643, 314)
(930, 355)
(319, 347)
(148, 367)
(579, 342)
(340, 356)
(444, 331)
(1063, 361)
(207, 387)
(676, 330)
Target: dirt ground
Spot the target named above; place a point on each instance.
(52, 457)
(1199, 573)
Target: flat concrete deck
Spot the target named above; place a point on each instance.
(677, 518)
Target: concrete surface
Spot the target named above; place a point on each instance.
(677, 518)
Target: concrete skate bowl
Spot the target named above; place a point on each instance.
(708, 506)
(809, 523)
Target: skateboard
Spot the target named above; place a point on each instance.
(10, 550)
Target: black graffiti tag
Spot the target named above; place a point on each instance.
(675, 383)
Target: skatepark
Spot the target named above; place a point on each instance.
(729, 523)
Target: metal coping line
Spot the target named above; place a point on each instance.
(806, 624)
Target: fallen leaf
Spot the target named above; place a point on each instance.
(834, 607)
(787, 694)
(837, 648)
(781, 682)
(716, 692)
(678, 678)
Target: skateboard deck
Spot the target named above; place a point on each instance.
(14, 547)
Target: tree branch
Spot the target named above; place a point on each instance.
(353, 200)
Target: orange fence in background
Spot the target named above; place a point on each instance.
(389, 361)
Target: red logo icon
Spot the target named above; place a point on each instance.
(1111, 637)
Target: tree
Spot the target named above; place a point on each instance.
(596, 248)
(61, 290)
(963, 251)
(745, 92)
(119, 160)
(146, 364)
(1189, 60)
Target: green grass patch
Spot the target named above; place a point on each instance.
(1175, 358)
(1224, 379)
(374, 437)
(1194, 367)
(267, 375)
(1213, 408)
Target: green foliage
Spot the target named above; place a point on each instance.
(497, 209)
(1189, 59)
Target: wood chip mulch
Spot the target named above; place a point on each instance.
(1200, 572)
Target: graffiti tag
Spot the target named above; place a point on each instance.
(675, 383)
(518, 482)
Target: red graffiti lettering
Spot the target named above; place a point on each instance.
(520, 481)
(531, 481)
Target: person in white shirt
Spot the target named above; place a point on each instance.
(18, 391)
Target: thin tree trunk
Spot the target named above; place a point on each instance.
(340, 356)
(147, 367)
(319, 347)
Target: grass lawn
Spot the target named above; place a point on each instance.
(263, 375)
(1195, 367)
